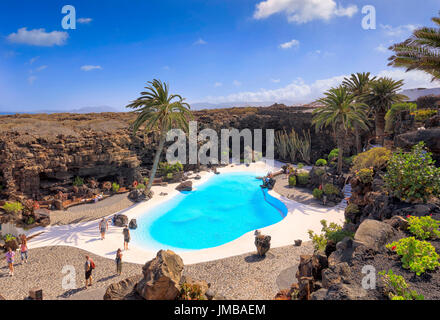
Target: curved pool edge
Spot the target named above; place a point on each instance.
(299, 219)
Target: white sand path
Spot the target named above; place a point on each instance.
(85, 235)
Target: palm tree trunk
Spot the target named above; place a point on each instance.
(357, 134)
(380, 127)
(341, 152)
(156, 161)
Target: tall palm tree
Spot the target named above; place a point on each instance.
(160, 111)
(358, 84)
(341, 112)
(420, 52)
(382, 95)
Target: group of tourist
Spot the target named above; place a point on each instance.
(10, 254)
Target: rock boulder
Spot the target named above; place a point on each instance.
(374, 234)
(185, 186)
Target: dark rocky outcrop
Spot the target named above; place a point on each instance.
(133, 224)
(430, 136)
(123, 290)
(120, 220)
(185, 186)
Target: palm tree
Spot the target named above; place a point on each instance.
(382, 95)
(420, 52)
(358, 84)
(162, 111)
(342, 113)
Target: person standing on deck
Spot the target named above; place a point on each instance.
(126, 233)
(118, 262)
(88, 268)
(103, 227)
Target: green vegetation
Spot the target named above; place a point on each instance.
(382, 95)
(420, 51)
(349, 160)
(303, 178)
(396, 287)
(412, 176)
(191, 292)
(290, 146)
(78, 182)
(300, 166)
(333, 155)
(30, 221)
(375, 158)
(321, 162)
(393, 113)
(141, 186)
(365, 175)
(330, 189)
(9, 237)
(319, 172)
(13, 207)
(317, 193)
(418, 256)
(292, 180)
(170, 176)
(332, 232)
(161, 111)
(166, 168)
(115, 187)
(341, 112)
(424, 227)
(425, 114)
(352, 209)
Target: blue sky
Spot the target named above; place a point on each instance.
(216, 51)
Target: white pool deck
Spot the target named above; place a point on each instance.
(85, 235)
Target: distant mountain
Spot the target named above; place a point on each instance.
(413, 94)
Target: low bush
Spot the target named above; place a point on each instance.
(352, 209)
(333, 155)
(13, 207)
(30, 221)
(78, 182)
(191, 292)
(300, 166)
(321, 162)
(425, 114)
(9, 237)
(349, 160)
(418, 256)
(292, 181)
(330, 189)
(412, 176)
(317, 193)
(115, 187)
(396, 287)
(365, 175)
(375, 158)
(165, 168)
(424, 227)
(140, 186)
(332, 232)
(319, 171)
(303, 178)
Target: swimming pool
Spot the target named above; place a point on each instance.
(216, 212)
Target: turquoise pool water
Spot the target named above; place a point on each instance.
(218, 211)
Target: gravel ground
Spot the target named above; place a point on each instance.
(249, 277)
(241, 277)
(44, 271)
(91, 211)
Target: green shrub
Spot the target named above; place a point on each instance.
(13, 207)
(330, 189)
(333, 155)
(365, 175)
(425, 114)
(9, 237)
(349, 160)
(300, 166)
(332, 232)
(140, 186)
(170, 176)
(352, 209)
(393, 113)
(418, 256)
(321, 162)
(396, 287)
(78, 182)
(30, 221)
(292, 181)
(319, 171)
(413, 175)
(375, 158)
(165, 168)
(115, 187)
(146, 181)
(303, 178)
(317, 193)
(424, 227)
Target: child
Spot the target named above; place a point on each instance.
(10, 260)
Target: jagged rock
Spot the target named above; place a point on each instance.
(433, 122)
(335, 274)
(430, 136)
(161, 277)
(397, 222)
(122, 290)
(319, 295)
(137, 195)
(185, 186)
(342, 291)
(330, 247)
(298, 243)
(374, 234)
(133, 224)
(120, 220)
(262, 243)
(197, 177)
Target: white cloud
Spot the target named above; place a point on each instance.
(302, 11)
(381, 48)
(166, 68)
(41, 68)
(90, 68)
(301, 92)
(84, 20)
(32, 60)
(289, 44)
(403, 30)
(200, 41)
(218, 84)
(236, 83)
(31, 79)
(275, 80)
(39, 37)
